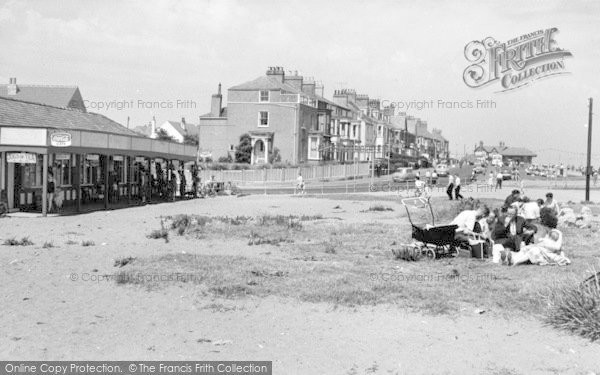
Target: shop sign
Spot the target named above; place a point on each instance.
(60, 139)
(62, 156)
(140, 159)
(118, 158)
(21, 157)
(92, 157)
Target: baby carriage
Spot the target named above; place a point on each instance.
(429, 240)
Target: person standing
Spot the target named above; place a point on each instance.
(450, 188)
(428, 177)
(552, 204)
(490, 181)
(50, 190)
(300, 183)
(457, 188)
(434, 178)
(499, 180)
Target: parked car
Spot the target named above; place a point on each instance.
(441, 170)
(506, 174)
(479, 170)
(403, 175)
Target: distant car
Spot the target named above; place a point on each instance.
(441, 170)
(478, 170)
(403, 175)
(506, 174)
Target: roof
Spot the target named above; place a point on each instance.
(265, 83)
(209, 114)
(143, 130)
(189, 128)
(517, 151)
(437, 136)
(56, 96)
(25, 114)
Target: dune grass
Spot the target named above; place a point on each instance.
(325, 260)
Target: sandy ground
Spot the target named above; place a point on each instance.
(45, 315)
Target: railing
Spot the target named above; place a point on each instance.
(289, 98)
(315, 172)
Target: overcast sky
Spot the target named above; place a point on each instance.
(392, 50)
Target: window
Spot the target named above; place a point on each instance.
(263, 118)
(231, 147)
(264, 95)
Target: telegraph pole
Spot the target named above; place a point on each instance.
(589, 154)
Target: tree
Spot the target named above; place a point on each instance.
(243, 151)
(161, 134)
(191, 139)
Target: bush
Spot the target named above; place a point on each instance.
(159, 233)
(576, 308)
(225, 159)
(87, 243)
(47, 245)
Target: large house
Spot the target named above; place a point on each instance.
(497, 155)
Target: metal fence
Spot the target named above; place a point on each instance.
(314, 172)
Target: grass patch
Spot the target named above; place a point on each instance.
(380, 208)
(25, 241)
(159, 233)
(365, 270)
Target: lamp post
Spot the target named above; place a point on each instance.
(589, 154)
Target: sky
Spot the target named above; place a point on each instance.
(177, 52)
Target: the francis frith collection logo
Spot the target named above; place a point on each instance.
(515, 63)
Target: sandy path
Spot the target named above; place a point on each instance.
(45, 315)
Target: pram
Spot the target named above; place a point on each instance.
(429, 240)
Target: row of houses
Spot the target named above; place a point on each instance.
(288, 118)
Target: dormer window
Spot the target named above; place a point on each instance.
(264, 95)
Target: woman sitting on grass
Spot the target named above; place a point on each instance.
(548, 249)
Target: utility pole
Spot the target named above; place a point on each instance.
(589, 154)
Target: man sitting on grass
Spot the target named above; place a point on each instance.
(515, 196)
(515, 232)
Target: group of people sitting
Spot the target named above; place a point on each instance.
(521, 231)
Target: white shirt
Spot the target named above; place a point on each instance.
(465, 220)
(457, 181)
(450, 179)
(499, 176)
(530, 210)
(299, 180)
(419, 184)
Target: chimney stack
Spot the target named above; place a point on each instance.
(183, 123)
(12, 86)
(216, 103)
(276, 72)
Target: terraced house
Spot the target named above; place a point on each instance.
(287, 115)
